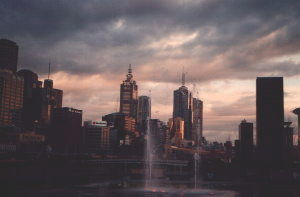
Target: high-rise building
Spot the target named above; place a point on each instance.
(144, 111)
(8, 55)
(65, 133)
(129, 96)
(245, 140)
(182, 107)
(11, 98)
(270, 120)
(31, 82)
(197, 120)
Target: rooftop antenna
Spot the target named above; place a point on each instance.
(129, 69)
(183, 77)
(49, 69)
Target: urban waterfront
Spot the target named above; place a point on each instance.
(140, 98)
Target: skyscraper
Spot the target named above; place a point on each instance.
(270, 121)
(245, 141)
(182, 107)
(11, 98)
(144, 111)
(31, 82)
(11, 85)
(8, 55)
(129, 95)
(197, 120)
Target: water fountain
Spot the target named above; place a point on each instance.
(148, 156)
(197, 159)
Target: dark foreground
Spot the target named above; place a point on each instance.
(136, 189)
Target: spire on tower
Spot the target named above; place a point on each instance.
(49, 69)
(183, 77)
(129, 69)
(129, 75)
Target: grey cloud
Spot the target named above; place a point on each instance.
(42, 26)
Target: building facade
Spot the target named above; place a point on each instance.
(182, 107)
(197, 132)
(144, 112)
(11, 98)
(129, 96)
(270, 121)
(246, 141)
(65, 133)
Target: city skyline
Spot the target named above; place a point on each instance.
(252, 39)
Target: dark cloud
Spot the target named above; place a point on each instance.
(84, 36)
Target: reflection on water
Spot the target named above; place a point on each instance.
(179, 190)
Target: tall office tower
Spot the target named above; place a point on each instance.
(65, 134)
(11, 98)
(144, 111)
(182, 107)
(29, 113)
(270, 120)
(129, 96)
(8, 55)
(245, 141)
(197, 120)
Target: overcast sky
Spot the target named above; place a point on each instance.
(222, 44)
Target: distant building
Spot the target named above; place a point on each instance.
(125, 125)
(269, 120)
(182, 107)
(11, 98)
(297, 112)
(144, 111)
(197, 131)
(245, 141)
(129, 96)
(176, 131)
(158, 132)
(97, 137)
(8, 55)
(289, 133)
(66, 130)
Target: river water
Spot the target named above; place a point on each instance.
(134, 190)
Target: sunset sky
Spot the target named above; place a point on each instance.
(223, 46)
